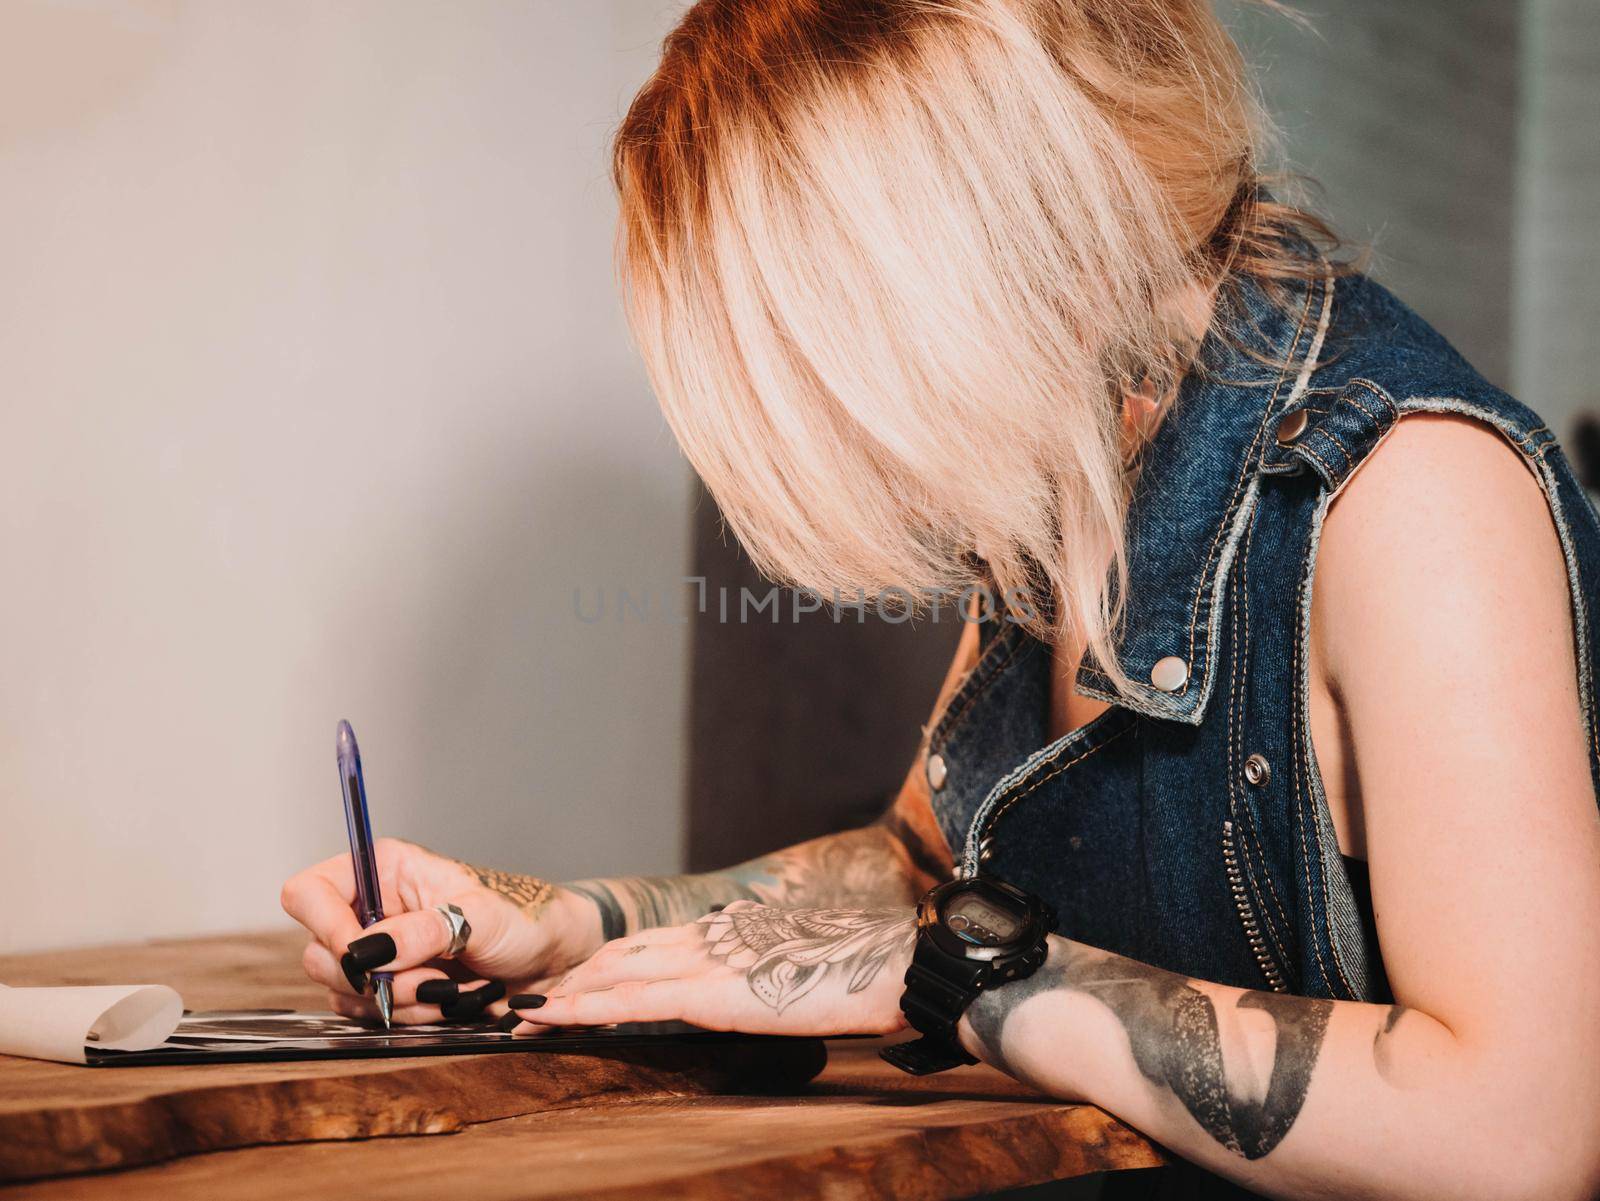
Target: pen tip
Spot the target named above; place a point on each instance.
(345, 739)
(385, 996)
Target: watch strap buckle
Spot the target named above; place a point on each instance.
(926, 1055)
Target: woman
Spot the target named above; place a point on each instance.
(969, 295)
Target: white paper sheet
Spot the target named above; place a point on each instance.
(57, 1023)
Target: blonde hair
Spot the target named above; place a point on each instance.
(892, 264)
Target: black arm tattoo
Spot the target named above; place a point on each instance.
(788, 952)
(613, 922)
(643, 902)
(528, 893)
(1382, 1051)
(853, 869)
(1173, 1031)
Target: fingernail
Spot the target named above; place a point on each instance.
(373, 950)
(464, 1010)
(438, 992)
(527, 1000)
(510, 1022)
(489, 993)
(469, 1006)
(353, 973)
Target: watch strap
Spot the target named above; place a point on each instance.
(939, 988)
(926, 1055)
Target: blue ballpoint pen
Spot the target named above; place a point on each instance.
(369, 901)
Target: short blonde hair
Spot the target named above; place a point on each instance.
(891, 265)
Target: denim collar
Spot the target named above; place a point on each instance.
(1197, 489)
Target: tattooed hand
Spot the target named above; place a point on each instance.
(524, 932)
(749, 967)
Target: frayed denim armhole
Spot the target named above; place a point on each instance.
(1352, 957)
(1336, 456)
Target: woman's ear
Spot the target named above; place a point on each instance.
(1142, 412)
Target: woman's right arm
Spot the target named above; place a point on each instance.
(890, 863)
(526, 930)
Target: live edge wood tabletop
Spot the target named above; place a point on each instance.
(673, 1122)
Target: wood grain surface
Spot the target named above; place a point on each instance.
(525, 1126)
(60, 1118)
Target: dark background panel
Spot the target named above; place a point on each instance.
(797, 728)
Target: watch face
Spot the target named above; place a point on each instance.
(981, 922)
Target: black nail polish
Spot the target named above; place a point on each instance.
(470, 1005)
(489, 993)
(353, 973)
(527, 1000)
(510, 1022)
(372, 950)
(464, 1010)
(438, 992)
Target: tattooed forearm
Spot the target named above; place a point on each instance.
(788, 952)
(1175, 1033)
(854, 869)
(528, 893)
(924, 846)
(644, 902)
(857, 869)
(613, 921)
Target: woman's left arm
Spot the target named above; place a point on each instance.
(1443, 613)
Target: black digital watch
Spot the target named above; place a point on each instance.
(972, 934)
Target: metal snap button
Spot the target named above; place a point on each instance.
(938, 772)
(1291, 426)
(1257, 771)
(1169, 674)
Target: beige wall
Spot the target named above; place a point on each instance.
(315, 402)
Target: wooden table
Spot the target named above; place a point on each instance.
(672, 1123)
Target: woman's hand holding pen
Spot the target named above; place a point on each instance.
(524, 933)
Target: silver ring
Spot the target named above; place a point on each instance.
(460, 929)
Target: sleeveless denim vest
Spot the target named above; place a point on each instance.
(1187, 827)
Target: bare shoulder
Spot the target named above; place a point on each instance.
(1443, 542)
